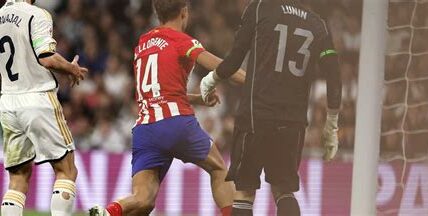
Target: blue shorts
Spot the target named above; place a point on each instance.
(156, 145)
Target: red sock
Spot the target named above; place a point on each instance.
(114, 209)
(226, 211)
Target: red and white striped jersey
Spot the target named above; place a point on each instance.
(164, 58)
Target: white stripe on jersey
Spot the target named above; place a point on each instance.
(146, 118)
(140, 94)
(158, 112)
(145, 113)
(173, 108)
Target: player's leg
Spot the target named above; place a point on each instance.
(47, 129)
(195, 146)
(18, 157)
(286, 203)
(222, 190)
(282, 165)
(64, 190)
(245, 169)
(145, 187)
(243, 203)
(149, 166)
(14, 199)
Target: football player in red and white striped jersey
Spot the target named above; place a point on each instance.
(166, 127)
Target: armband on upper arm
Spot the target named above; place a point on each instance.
(41, 34)
(328, 52)
(196, 45)
(44, 46)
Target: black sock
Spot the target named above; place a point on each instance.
(242, 208)
(287, 206)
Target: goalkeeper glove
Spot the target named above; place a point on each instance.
(330, 139)
(208, 84)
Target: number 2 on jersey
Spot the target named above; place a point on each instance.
(152, 71)
(6, 39)
(304, 50)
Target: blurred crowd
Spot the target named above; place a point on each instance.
(101, 111)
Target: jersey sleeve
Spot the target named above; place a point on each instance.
(326, 46)
(329, 65)
(190, 48)
(42, 34)
(243, 38)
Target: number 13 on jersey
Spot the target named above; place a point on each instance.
(152, 71)
(304, 50)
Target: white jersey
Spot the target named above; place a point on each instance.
(25, 35)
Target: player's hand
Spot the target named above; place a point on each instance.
(208, 84)
(78, 72)
(212, 99)
(330, 139)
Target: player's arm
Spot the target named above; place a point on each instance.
(194, 50)
(210, 62)
(44, 47)
(329, 65)
(59, 64)
(196, 99)
(234, 59)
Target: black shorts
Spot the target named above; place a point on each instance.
(275, 147)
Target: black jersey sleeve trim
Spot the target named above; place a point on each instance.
(45, 55)
(31, 39)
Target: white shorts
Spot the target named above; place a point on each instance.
(34, 128)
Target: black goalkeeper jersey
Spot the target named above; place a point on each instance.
(286, 41)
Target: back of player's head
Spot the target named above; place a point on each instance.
(169, 9)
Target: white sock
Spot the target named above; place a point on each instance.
(64, 194)
(13, 203)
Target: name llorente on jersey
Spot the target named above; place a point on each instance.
(159, 42)
(294, 11)
(10, 18)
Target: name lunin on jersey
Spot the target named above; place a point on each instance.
(159, 42)
(10, 18)
(294, 11)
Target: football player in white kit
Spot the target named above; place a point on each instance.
(31, 116)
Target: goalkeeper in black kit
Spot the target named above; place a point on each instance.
(286, 42)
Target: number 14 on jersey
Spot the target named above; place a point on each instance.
(151, 71)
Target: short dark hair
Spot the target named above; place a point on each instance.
(169, 9)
